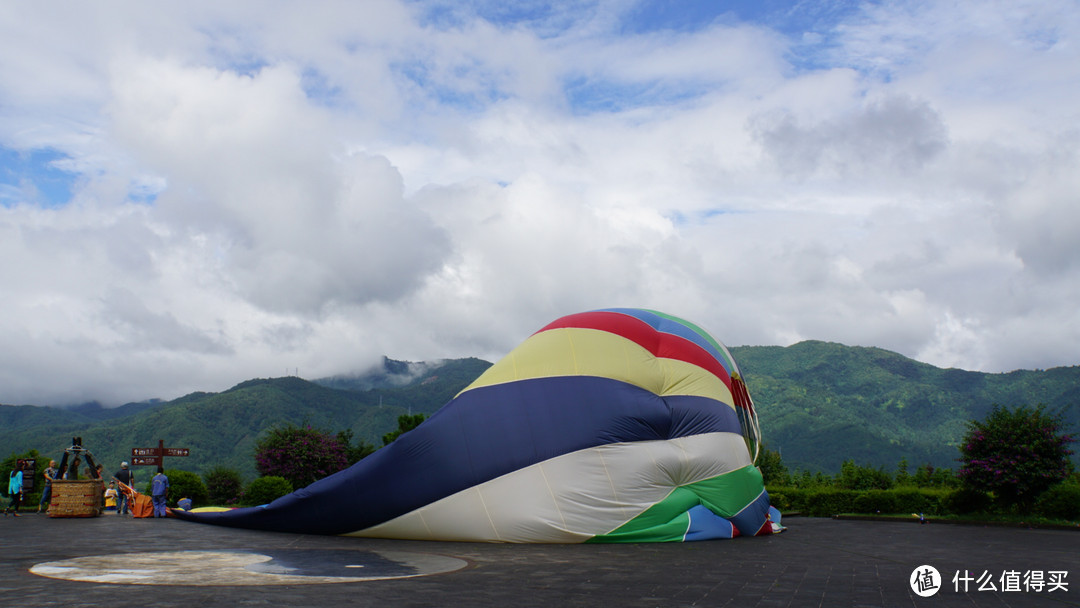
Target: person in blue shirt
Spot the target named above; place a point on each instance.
(15, 489)
(159, 491)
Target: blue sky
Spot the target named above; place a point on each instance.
(36, 176)
(195, 195)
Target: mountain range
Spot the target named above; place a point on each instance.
(819, 404)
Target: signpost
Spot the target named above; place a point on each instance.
(155, 456)
(29, 468)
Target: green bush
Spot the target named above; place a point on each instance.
(875, 501)
(921, 500)
(185, 484)
(266, 489)
(224, 486)
(903, 500)
(825, 503)
(967, 500)
(1059, 502)
(780, 501)
(788, 498)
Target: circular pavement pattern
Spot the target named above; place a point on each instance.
(239, 567)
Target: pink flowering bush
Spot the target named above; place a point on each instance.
(1015, 454)
(301, 455)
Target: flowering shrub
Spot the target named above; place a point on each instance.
(1016, 454)
(301, 455)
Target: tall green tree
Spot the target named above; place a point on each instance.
(406, 423)
(902, 478)
(1016, 454)
(354, 453)
(855, 477)
(772, 467)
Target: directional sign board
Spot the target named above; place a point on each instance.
(155, 456)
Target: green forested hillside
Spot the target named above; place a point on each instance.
(222, 428)
(822, 403)
(819, 403)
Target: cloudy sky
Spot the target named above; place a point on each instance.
(194, 194)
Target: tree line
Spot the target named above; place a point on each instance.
(287, 457)
(1015, 461)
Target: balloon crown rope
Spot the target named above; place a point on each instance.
(78, 451)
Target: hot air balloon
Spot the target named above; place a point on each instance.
(615, 425)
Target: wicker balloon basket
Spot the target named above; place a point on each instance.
(82, 498)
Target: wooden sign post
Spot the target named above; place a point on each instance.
(155, 456)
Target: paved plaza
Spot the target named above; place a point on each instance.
(116, 562)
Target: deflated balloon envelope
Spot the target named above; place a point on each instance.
(617, 425)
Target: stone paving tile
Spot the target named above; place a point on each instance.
(818, 562)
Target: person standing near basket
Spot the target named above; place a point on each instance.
(73, 470)
(159, 491)
(46, 492)
(126, 477)
(110, 497)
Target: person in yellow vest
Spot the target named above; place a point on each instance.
(110, 497)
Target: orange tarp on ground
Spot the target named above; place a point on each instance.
(140, 505)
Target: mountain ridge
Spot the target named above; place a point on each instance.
(819, 403)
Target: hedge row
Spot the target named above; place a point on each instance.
(1061, 501)
(826, 502)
